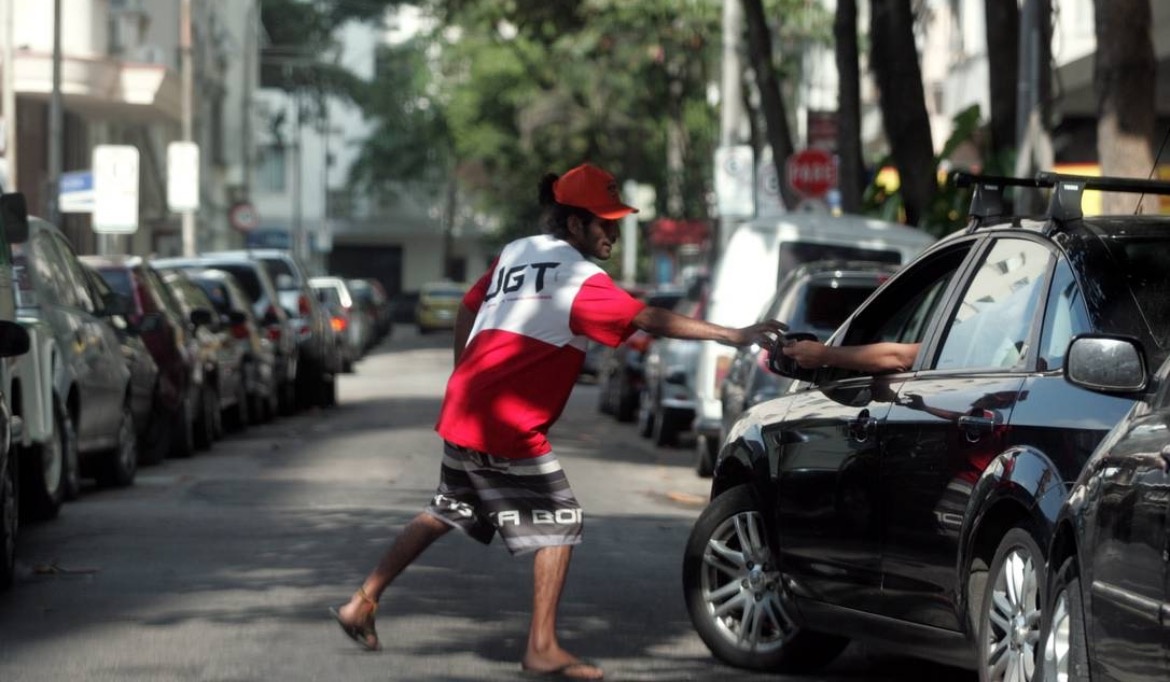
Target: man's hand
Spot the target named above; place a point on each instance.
(807, 354)
(762, 333)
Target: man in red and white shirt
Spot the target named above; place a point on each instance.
(520, 341)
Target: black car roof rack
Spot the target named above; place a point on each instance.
(1065, 202)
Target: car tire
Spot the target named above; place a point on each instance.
(1066, 657)
(716, 562)
(9, 521)
(645, 415)
(328, 391)
(666, 427)
(182, 441)
(45, 474)
(207, 409)
(121, 464)
(705, 454)
(1011, 608)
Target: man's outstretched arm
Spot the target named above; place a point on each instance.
(662, 322)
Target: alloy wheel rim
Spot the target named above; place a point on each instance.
(742, 587)
(1014, 615)
(1056, 647)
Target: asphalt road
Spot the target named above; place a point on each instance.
(222, 567)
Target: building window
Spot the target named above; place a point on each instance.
(270, 172)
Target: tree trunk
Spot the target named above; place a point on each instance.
(1003, 40)
(851, 176)
(1125, 72)
(903, 104)
(771, 99)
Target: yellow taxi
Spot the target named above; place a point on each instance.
(438, 302)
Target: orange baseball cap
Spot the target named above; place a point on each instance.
(592, 189)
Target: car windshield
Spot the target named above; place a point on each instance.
(118, 280)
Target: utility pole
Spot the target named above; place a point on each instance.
(9, 97)
(55, 115)
(731, 113)
(188, 85)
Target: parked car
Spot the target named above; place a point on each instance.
(758, 255)
(319, 363)
(14, 342)
(144, 371)
(814, 298)
(438, 302)
(278, 325)
(167, 334)
(224, 357)
(371, 296)
(666, 405)
(235, 313)
(347, 319)
(1108, 572)
(620, 374)
(913, 510)
(90, 376)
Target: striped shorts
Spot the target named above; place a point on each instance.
(528, 501)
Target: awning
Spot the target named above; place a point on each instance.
(102, 88)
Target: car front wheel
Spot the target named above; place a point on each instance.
(1065, 648)
(1010, 612)
(46, 475)
(121, 464)
(735, 592)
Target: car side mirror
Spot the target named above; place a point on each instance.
(14, 217)
(779, 363)
(1106, 364)
(13, 339)
(202, 317)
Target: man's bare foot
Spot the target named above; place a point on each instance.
(560, 665)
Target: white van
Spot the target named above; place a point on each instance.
(757, 257)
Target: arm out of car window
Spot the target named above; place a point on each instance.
(870, 358)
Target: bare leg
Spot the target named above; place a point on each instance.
(410, 543)
(550, 566)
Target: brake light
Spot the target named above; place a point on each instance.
(272, 331)
(339, 323)
(303, 306)
(240, 331)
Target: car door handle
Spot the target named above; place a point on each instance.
(976, 424)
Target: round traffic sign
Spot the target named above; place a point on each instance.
(812, 172)
(243, 217)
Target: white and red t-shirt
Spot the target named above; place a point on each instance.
(536, 308)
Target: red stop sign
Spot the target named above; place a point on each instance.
(812, 172)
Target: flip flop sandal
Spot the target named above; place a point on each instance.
(364, 634)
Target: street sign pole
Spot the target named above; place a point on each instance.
(189, 246)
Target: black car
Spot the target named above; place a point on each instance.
(814, 298)
(912, 510)
(1108, 567)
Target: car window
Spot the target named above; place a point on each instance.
(993, 322)
(903, 311)
(793, 254)
(75, 277)
(1065, 317)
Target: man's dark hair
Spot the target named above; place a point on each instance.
(556, 215)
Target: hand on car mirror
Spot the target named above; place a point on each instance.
(807, 353)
